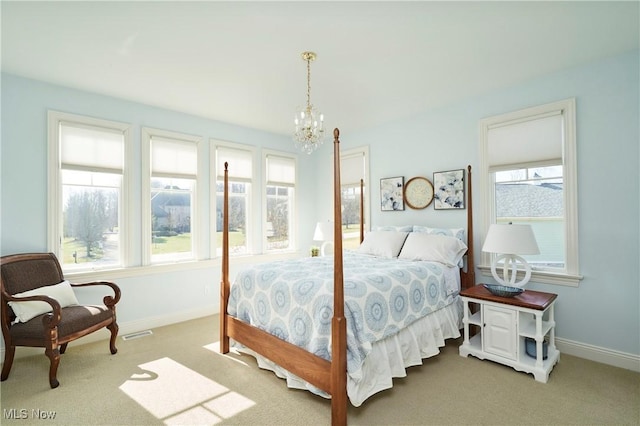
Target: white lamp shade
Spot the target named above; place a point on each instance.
(510, 239)
(323, 232)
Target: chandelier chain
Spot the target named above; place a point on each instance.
(308, 83)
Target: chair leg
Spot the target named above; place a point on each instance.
(113, 327)
(63, 347)
(8, 362)
(54, 357)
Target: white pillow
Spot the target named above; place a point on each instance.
(451, 232)
(62, 293)
(405, 228)
(382, 243)
(434, 248)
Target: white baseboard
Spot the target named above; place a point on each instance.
(581, 350)
(161, 321)
(126, 328)
(598, 354)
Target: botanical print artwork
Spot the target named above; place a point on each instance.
(391, 193)
(449, 189)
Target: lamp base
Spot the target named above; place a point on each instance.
(503, 290)
(510, 270)
(323, 248)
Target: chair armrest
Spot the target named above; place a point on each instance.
(108, 300)
(51, 319)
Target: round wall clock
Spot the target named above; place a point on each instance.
(418, 192)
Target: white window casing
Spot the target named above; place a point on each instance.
(242, 168)
(90, 145)
(354, 166)
(280, 171)
(533, 137)
(167, 154)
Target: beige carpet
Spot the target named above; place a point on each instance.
(173, 377)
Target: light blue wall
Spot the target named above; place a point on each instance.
(23, 226)
(604, 310)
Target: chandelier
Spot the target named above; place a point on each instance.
(309, 132)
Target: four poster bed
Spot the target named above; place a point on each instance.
(345, 330)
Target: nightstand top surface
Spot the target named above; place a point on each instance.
(528, 299)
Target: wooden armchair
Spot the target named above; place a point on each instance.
(39, 309)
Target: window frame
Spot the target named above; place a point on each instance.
(349, 153)
(147, 133)
(293, 224)
(251, 196)
(570, 276)
(55, 215)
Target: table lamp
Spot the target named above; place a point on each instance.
(509, 241)
(324, 233)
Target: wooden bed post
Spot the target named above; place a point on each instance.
(225, 287)
(471, 272)
(361, 210)
(338, 323)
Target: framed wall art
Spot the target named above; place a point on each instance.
(391, 193)
(449, 190)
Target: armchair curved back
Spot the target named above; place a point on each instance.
(24, 272)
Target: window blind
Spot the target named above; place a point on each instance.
(173, 158)
(352, 169)
(281, 171)
(240, 163)
(525, 143)
(91, 149)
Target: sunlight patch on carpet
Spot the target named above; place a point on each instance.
(229, 404)
(178, 395)
(215, 348)
(195, 416)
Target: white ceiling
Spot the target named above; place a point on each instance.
(239, 62)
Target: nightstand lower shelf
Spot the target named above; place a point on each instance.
(523, 363)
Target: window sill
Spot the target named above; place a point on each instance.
(542, 277)
(161, 268)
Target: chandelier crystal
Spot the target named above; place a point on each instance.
(309, 131)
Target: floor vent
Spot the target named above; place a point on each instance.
(137, 335)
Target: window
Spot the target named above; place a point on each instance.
(279, 208)
(534, 196)
(170, 175)
(528, 167)
(353, 168)
(87, 185)
(240, 166)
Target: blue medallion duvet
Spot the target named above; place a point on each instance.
(293, 299)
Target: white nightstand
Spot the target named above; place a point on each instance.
(505, 323)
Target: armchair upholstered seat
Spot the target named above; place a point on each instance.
(39, 309)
